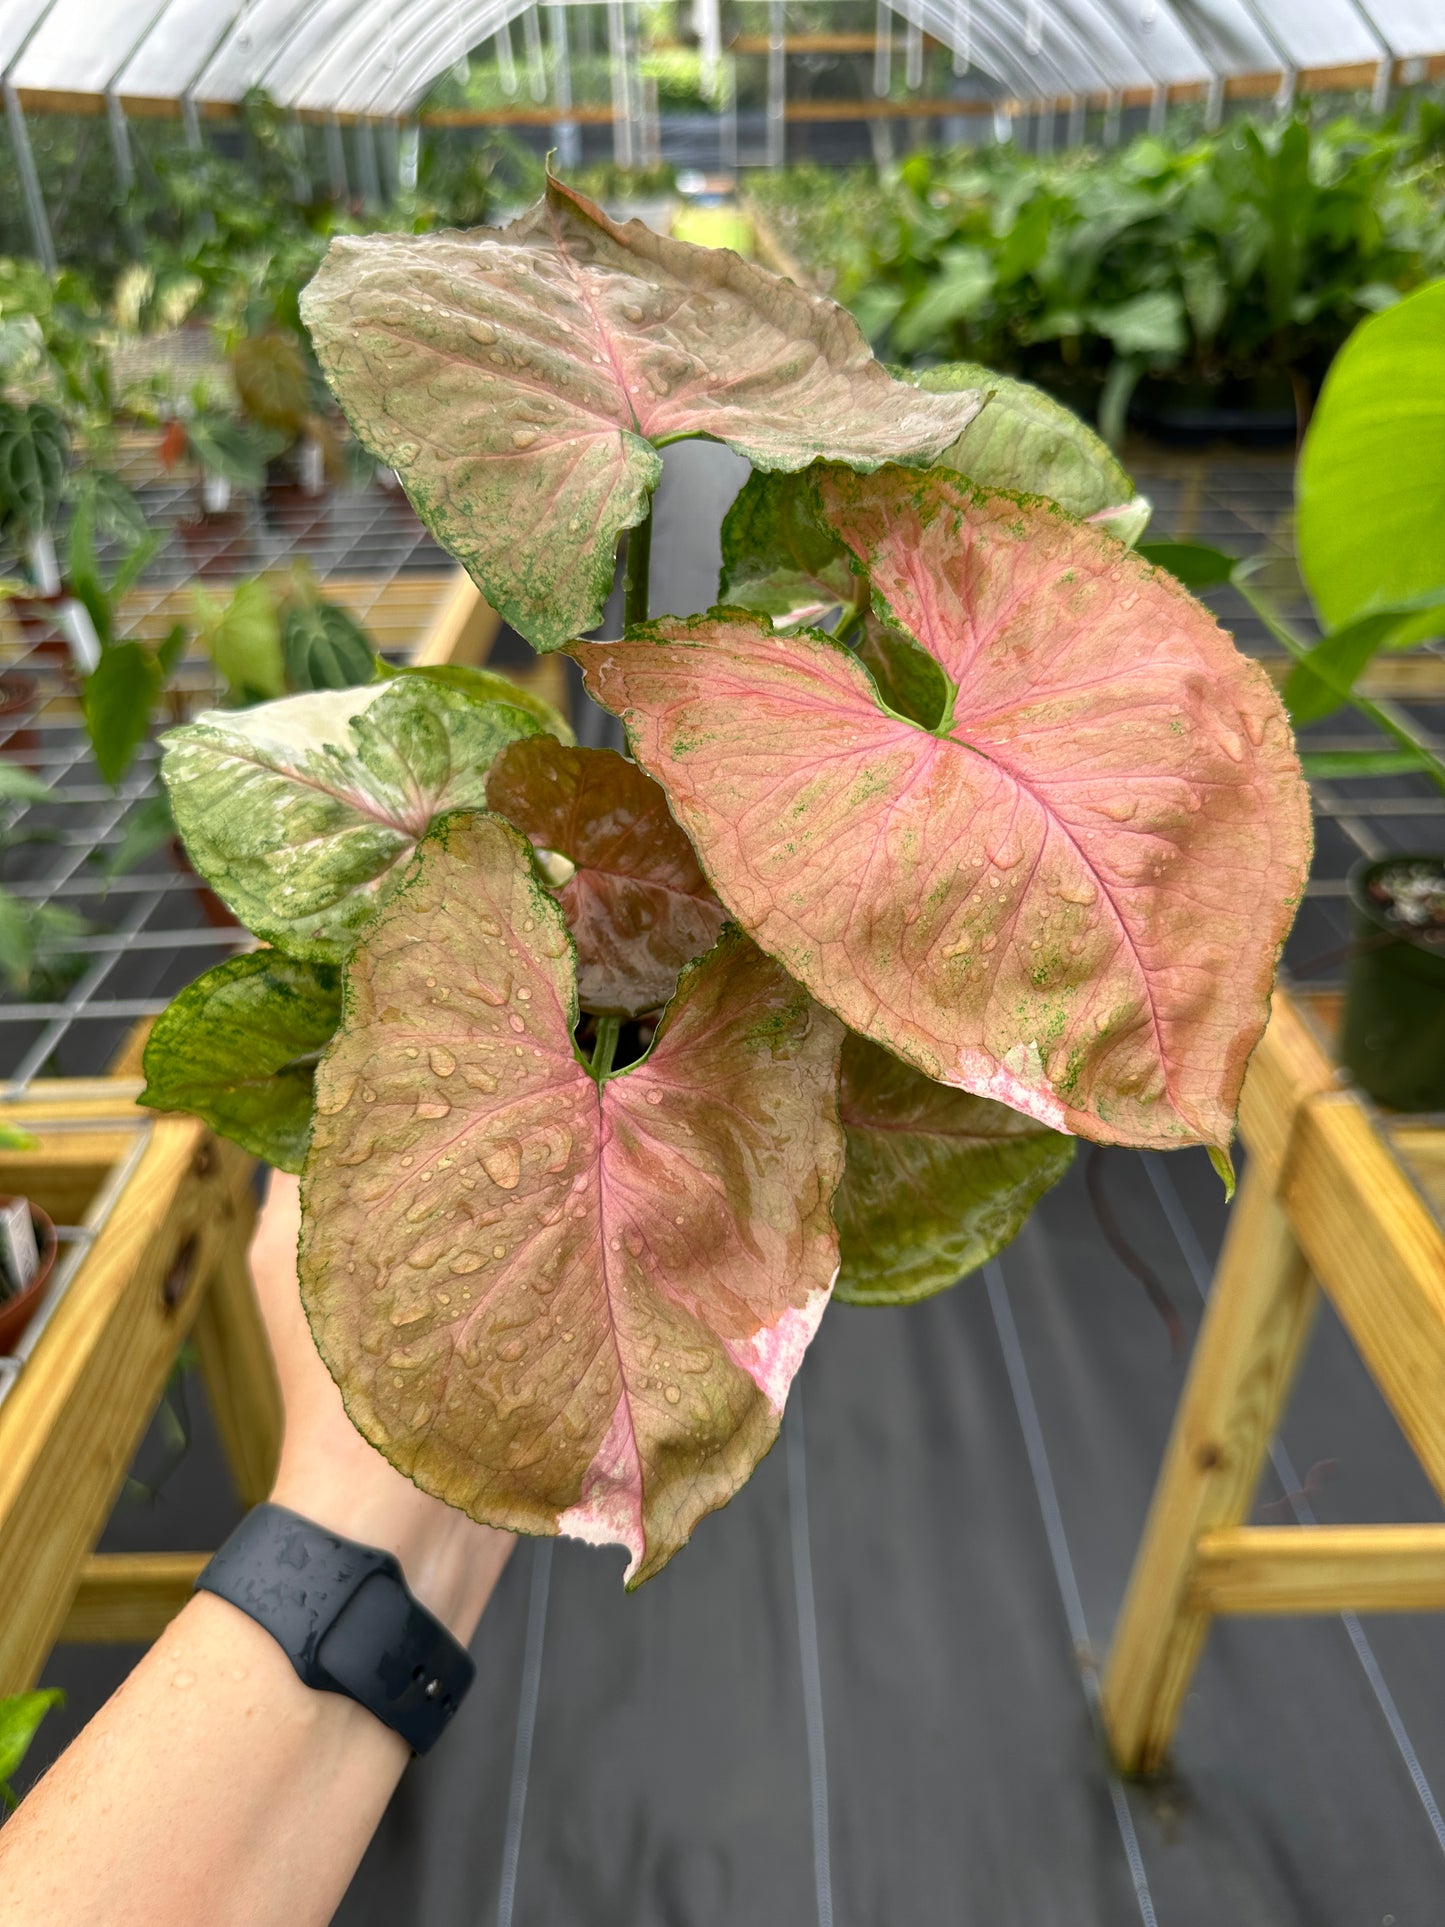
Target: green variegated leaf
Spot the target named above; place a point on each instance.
(1024, 439)
(521, 381)
(778, 558)
(491, 686)
(300, 813)
(936, 1183)
(239, 1048)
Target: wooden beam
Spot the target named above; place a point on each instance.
(71, 1423)
(1254, 1329)
(464, 629)
(1320, 1569)
(1289, 1068)
(129, 1598)
(1341, 1185)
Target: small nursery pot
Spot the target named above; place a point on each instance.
(1394, 1028)
(16, 1312)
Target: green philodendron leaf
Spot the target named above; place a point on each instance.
(19, 786)
(118, 698)
(243, 639)
(490, 686)
(521, 381)
(1370, 493)
(1194, 564)
(1325, 765)
(1318, 685)
(1023, 439)
(778, 558)
(300, 813)
(325, 647)
(239, 1048)
(20, 1717)
(937, 1182)
(563, 1303)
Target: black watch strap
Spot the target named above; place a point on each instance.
(344, 1618)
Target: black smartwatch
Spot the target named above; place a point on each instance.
(344, 1618)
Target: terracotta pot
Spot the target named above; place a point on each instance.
(17, 1312)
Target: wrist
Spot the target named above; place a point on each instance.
(449, 1562)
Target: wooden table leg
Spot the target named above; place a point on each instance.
(236, 1362)
(1254, 1328)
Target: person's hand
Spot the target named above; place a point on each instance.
(330, 1474)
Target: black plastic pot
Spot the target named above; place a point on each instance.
(1394, 1028)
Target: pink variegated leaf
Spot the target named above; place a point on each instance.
(1071, 893)
(637, 904)
(521, 380)
(559, 1304)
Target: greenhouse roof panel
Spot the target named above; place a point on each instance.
(380, 56)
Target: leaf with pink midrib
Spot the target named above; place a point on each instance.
(557, 1305)
(1074, 899)
(638, 906)
(521, 379)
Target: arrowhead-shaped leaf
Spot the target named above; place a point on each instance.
(1023, 439)
(521, 380)
(936, 1183)
(301, 813)
(239, 1048)
(564, 1306)
(637, 904)
(1072, 897)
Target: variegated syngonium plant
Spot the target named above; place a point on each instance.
(956, 831)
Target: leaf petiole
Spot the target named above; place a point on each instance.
(605, 1049)
(639, 563)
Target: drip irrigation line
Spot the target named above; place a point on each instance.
(1172, 1205)
(808, 1652)
(1064, 1574)
(526, 1727)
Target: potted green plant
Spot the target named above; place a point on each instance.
(605, 1074)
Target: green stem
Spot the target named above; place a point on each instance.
(847, 623)
(605, 1049)
(1384, 717)
(639, 563)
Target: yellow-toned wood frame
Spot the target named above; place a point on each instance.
(1333, 1198)
(168, 1262)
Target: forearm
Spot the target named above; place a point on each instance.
(215, 1787)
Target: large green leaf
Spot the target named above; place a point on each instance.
(1371, 488)
(521, 381)
(490, 686)
(239, 1048)
(1319, 683)
(936, 1183)
(559, 1303)
(299, 813)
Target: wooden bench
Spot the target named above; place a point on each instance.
(1335, 1196)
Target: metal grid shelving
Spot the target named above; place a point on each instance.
(151, 926)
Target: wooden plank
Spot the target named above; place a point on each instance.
(1379, 1252)
(72, 1421)
(129, 1598)
(1290, 1067)
(1320, 1569)
(65, 1170)
(240, 1374)
(1254, 1328)
(464, 629)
